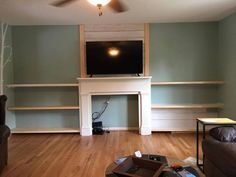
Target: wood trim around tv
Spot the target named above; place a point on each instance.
(146, 49)
(82, 32)
(82, 52)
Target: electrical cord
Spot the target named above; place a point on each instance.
(96, 115)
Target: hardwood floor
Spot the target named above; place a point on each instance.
(70, 155)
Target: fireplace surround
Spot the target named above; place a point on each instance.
(140, 86)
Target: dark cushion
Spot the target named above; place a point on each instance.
(4, 133)
(3, 99)
(224, 133)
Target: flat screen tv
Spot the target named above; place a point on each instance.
(114, 57)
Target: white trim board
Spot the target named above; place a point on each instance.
(120, 128)
(178, 119)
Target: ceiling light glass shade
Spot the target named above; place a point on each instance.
(96, 2)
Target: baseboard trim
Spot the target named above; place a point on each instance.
(44, 130)
(172, 130)
(76, 130)
(120, 128)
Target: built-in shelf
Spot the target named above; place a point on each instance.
(41, 85)
(45, 130)
(188, 106)
(153, 83)
(29, 108)
(189, 83)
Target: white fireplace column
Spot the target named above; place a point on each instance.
(145, 114)
(140, 86)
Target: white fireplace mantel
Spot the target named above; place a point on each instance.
(140, 86)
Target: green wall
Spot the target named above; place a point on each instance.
(227, 46)
(182, 52)
(50, 54)
(122, 111)
(46, 54)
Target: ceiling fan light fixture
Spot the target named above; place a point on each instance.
(99, 2)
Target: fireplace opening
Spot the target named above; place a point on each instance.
(116, 112)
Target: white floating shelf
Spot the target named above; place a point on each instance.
(41, 85)
(190, 83)
(44, 130)
(188, 106)
(28, 108)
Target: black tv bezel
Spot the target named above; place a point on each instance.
(123, 73)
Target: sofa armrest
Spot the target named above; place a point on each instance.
(221, 154)
(4, 133)
(3, 99)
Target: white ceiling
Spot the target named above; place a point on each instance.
(39, 12)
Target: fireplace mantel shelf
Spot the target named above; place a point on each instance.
(114, 78)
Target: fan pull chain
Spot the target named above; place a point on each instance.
(99, 9)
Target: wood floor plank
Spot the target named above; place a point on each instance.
(71, 155)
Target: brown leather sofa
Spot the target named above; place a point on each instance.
(220, 152)
(4, 133)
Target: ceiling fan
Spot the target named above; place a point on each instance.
(116, 5)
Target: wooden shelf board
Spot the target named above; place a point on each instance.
(28, 108)
(189, 83)
(41, 85)
(44, 130)
(187, 106)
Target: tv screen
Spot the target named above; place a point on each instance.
(114, 57)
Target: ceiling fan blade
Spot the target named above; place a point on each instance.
(62, 3)
(117, 6)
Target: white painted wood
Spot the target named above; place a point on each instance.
(120, 128)
(178, 120)
(113, 78)
(85, 113)
(119, 86)
(190, 83)
(145, 112)
(113, 27)
(114, 36)
(114, 32)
